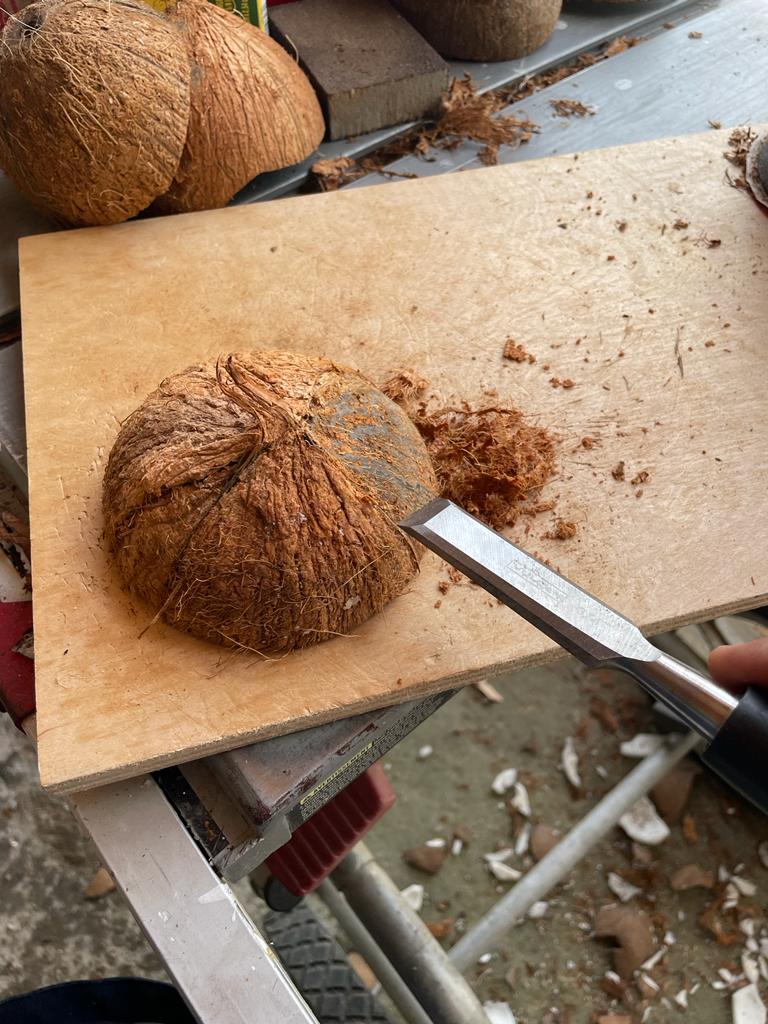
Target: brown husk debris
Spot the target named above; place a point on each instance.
(491, 461)
(570, 108)
(465, 115)
(739, 142)
(254, 501)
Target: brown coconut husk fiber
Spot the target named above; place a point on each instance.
(252, 109)
(492, 461)
(94, 105)
(254, 501)
(483, 29)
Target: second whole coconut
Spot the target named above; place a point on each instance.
(254, 501)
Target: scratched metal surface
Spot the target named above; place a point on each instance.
(582, 26)
(669, 85)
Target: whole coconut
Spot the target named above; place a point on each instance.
(254, 501)
(483, 29)
(94, 105)
(252, 109)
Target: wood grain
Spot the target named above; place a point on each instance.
(432, 275)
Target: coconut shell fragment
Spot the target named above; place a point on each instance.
(94, 105)
(254, 501)
(252, 109)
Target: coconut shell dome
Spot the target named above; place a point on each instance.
(254, 501)
(94, 105)
(252, 109)
(483, 29)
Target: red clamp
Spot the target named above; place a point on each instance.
(17, 671)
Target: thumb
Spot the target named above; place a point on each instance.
(741, 665)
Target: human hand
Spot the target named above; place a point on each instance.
(740, 665)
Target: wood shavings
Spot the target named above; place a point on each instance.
(504, 781)
(504, 872)
(515, 352)
(101, 884)
(749, 968)
(744, 887)
(681, 999)
(520, 801)
(641, 745)
(489, 691)
(413, 896)
(543, 839)
(428, 859)
(522, 840)
(633, 933)
(564, 529)
(691, 876)
(618, 471)
(642, 823)
(491, 461)
(571, 108)
(621, 888)
(569, 762)
(498, 1013)
(747, 1007)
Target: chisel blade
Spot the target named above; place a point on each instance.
(577, 621)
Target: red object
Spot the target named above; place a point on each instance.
(17, 672)
(317, 846)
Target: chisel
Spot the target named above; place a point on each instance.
(735, 727)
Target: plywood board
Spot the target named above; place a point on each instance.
(576, 257)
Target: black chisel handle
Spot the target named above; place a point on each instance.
(739, 751)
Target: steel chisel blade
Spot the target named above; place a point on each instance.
(576, 620)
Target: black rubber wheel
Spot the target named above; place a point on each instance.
(319, 969)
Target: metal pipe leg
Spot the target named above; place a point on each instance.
(552, 868)
(390, 980)
(406, 942)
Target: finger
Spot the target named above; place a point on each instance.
(741, 665)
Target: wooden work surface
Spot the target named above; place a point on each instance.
(432, 275)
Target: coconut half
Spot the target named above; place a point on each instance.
(94, 105)
(252, 110)
(254, 501)
(483, 29)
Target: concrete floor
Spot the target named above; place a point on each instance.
(49, 932)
